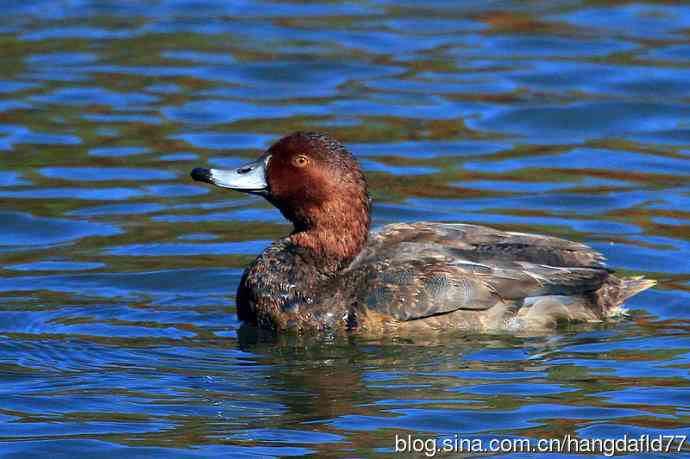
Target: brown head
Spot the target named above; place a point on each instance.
(316, 184)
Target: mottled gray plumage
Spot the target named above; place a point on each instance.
(424, 269)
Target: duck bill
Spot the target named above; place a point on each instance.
(249, 178)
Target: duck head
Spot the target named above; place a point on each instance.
(315, 183)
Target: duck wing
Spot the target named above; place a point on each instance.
(477, 243)
(420, 270)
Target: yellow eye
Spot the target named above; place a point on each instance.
(300, 161)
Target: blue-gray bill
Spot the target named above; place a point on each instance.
(248, 178)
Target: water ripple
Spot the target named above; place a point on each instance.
(118, 330)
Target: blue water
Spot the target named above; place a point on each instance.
(118, 333)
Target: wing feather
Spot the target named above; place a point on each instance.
(425, 269)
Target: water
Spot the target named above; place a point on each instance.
(118, 334)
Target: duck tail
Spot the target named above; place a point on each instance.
(634, 285)
(615, 291)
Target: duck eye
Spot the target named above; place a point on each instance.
(300, 161)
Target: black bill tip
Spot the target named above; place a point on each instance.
(202, 175)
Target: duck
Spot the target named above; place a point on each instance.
(332, 273)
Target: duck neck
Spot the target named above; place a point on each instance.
(337, 233)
